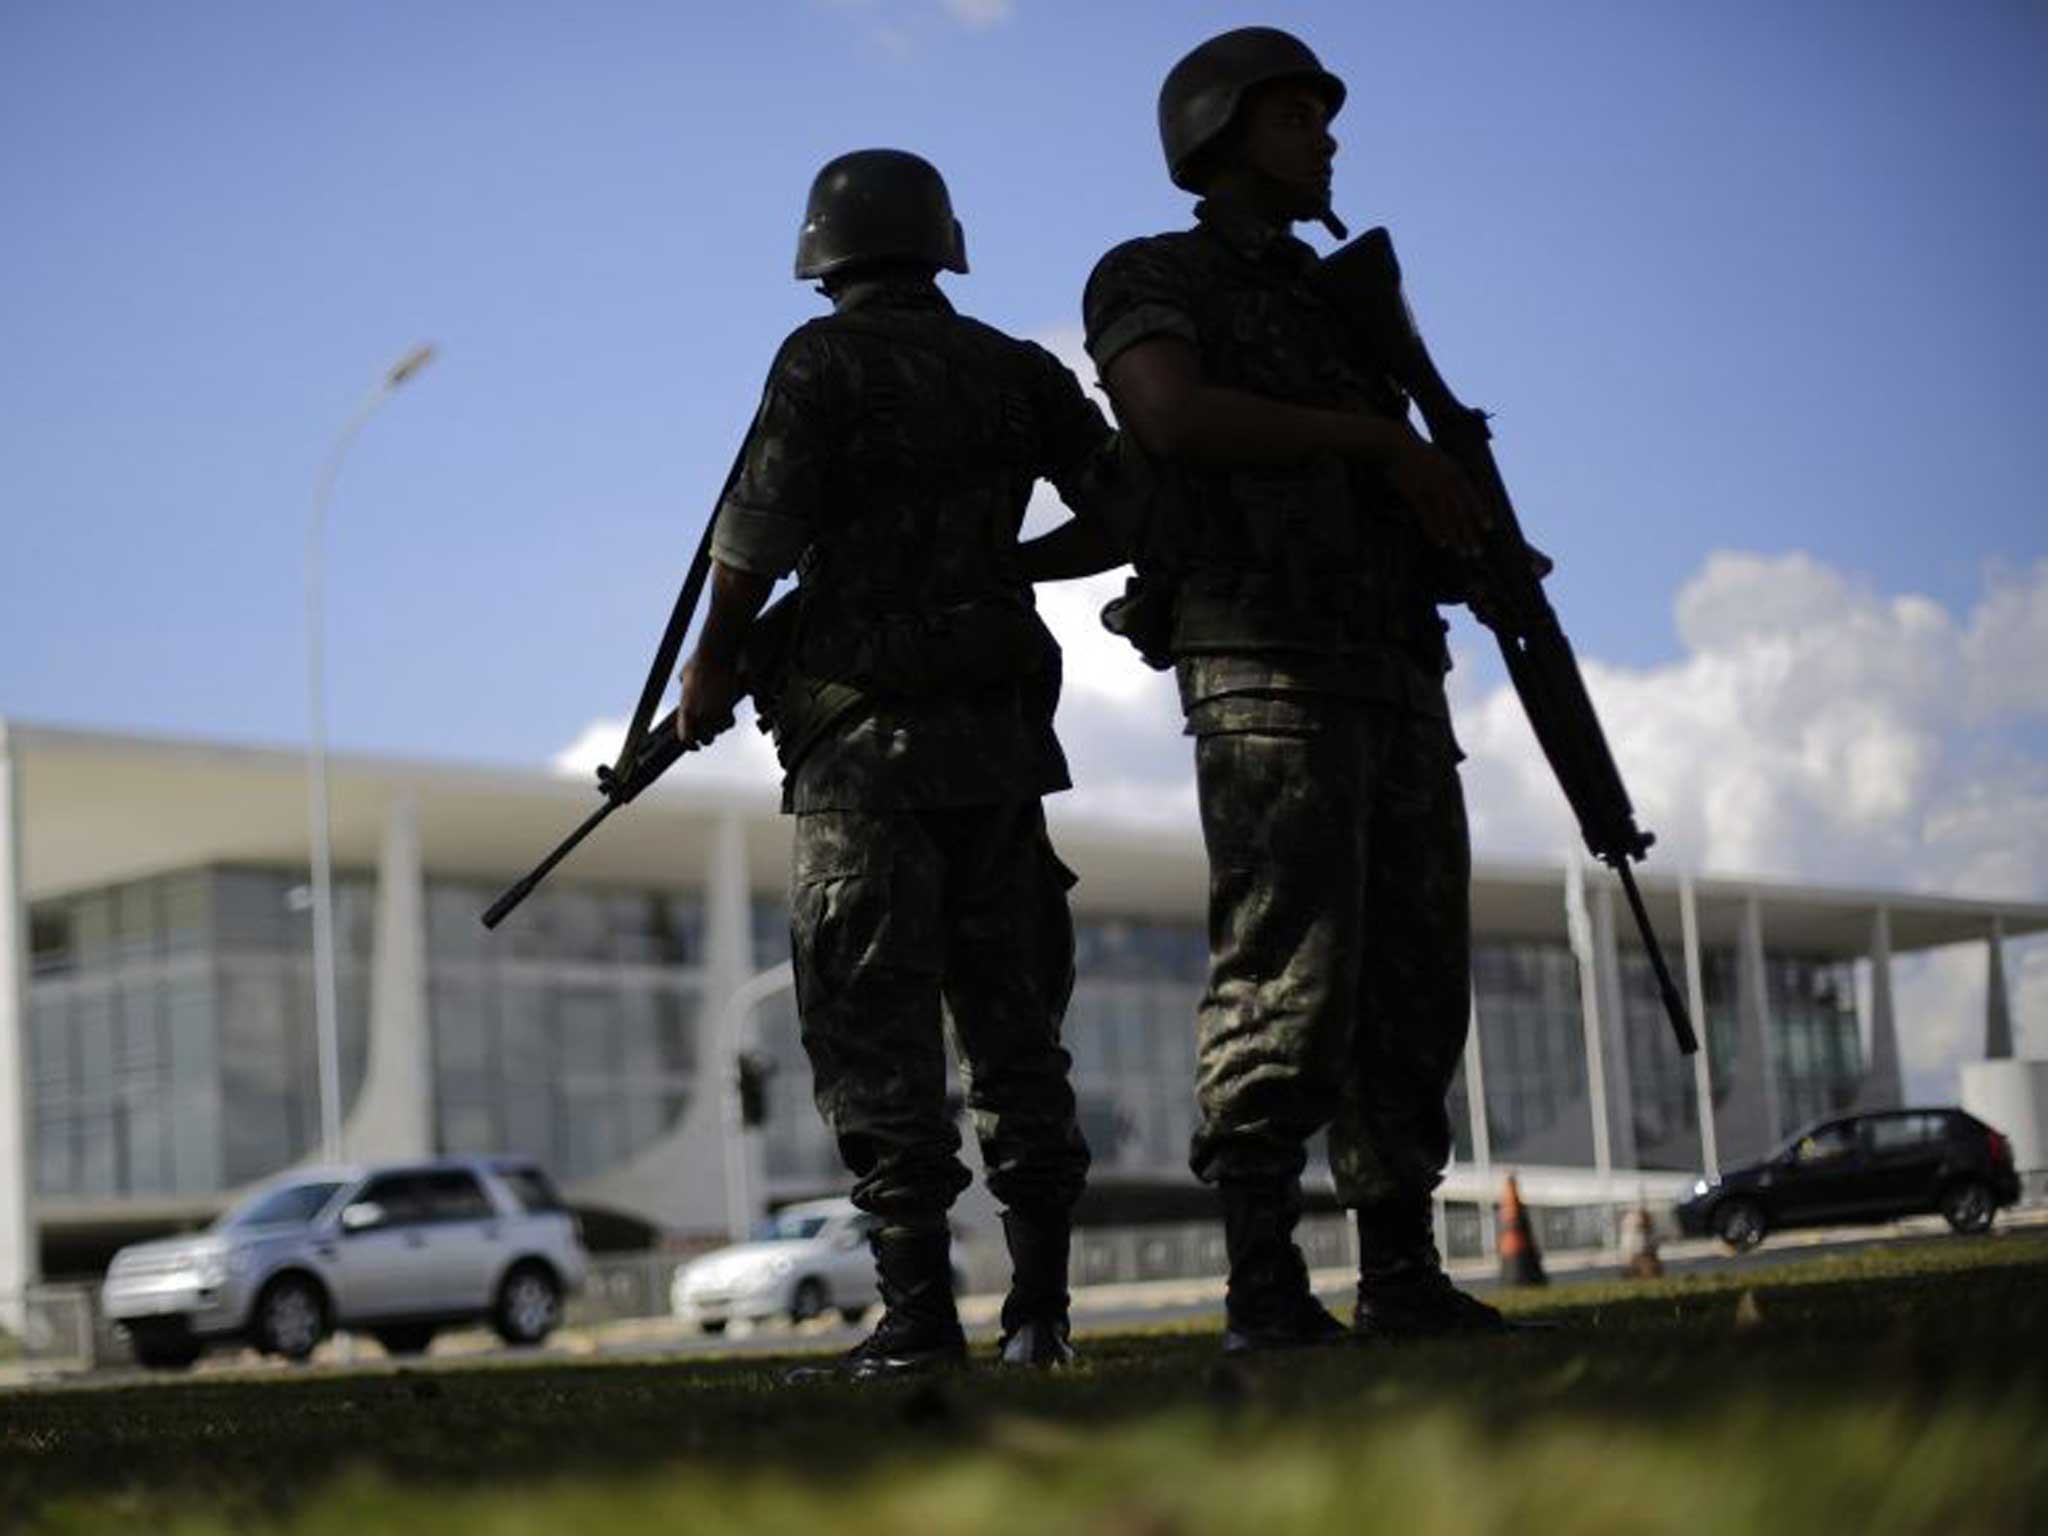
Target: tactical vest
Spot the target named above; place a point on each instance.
(1317, 556)
(909, 592)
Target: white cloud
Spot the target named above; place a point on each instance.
(742, 758)
(981, 13)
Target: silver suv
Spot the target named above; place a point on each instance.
(397, 1251)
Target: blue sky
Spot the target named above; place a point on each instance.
(1746, 276)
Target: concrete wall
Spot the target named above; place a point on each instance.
(2012, 1098)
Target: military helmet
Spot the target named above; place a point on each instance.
(879, 205)
(1203, 92)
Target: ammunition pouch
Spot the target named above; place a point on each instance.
(941, 653)
(816, 667)
(1144, 616)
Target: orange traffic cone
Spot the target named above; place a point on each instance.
(1520, 1263)
(1639, 1243)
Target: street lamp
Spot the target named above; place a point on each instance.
(324, 1007)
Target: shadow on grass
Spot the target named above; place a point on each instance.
(1813, 1375)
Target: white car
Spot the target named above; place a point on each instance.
(804, 1261)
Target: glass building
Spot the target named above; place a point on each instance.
(161, 1006)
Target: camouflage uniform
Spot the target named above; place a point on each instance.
(896, 446)
(1310, 659)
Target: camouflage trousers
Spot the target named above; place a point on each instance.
(894, 913)
(1340, 943)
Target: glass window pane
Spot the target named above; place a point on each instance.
(93, 933)
(259, 1071)
(51, 951)
(252, 911)
(135, 922)
(187, 912)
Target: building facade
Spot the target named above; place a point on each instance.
(157, 1040)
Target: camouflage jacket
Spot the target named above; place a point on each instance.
(1297, 579)
(895, 449)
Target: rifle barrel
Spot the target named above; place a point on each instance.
(502, 908)
(1674, 1005)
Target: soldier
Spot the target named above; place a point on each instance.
(1300, 540)
(911, 689)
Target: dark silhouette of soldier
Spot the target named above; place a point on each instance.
(910, 685)
(1300, 540)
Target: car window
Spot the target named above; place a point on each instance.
(1900, 1133)
(534, 1190)
(453, 1194)
(789, 1227)
(1828, 1144)
(401, 1196)
(292, 1206)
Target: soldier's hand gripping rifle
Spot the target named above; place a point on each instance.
(1364, 279)
(648, 751)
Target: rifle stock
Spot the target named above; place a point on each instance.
(1364, 280)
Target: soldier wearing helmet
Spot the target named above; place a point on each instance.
(1299, 543)
(910, 687)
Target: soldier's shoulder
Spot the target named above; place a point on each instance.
(1147, 266)
(1015, 351)
(1176, 247)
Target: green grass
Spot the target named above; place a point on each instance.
(1898, 1389)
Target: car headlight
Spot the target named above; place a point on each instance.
(1701, 1186)
(209, 1271)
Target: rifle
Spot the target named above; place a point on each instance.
(647, 752)
(1363, 278)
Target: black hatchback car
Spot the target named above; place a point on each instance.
(1862, 1168)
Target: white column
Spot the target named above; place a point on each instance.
(1757, 1002)
(1580, 927)
(1615, 1066)
(744, 1179)
(1882, 1087)
(1997, 1006)
(393, 1115)
(1475, 1108)
(728, 964)
(20, 1261)
(1696, 1001)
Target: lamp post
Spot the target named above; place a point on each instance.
(324, 1006)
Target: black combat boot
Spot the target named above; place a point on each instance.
(1403, 1292)
(920, 1329)
(1035, 1312)
(1268, 1304)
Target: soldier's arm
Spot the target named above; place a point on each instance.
(1082, 464)
(1162, 397)
(764, 524)
(711, 677)
(1078, 547)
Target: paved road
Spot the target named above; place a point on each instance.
(1096, 1309)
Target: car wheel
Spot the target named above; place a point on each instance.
(1740, 1224)
(713, 1325)
(808, 1300)
(161, 1349)
(291, 1317)
(411, 1340)
(1968, 1206)
(852, 1315)
(529, 1305)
